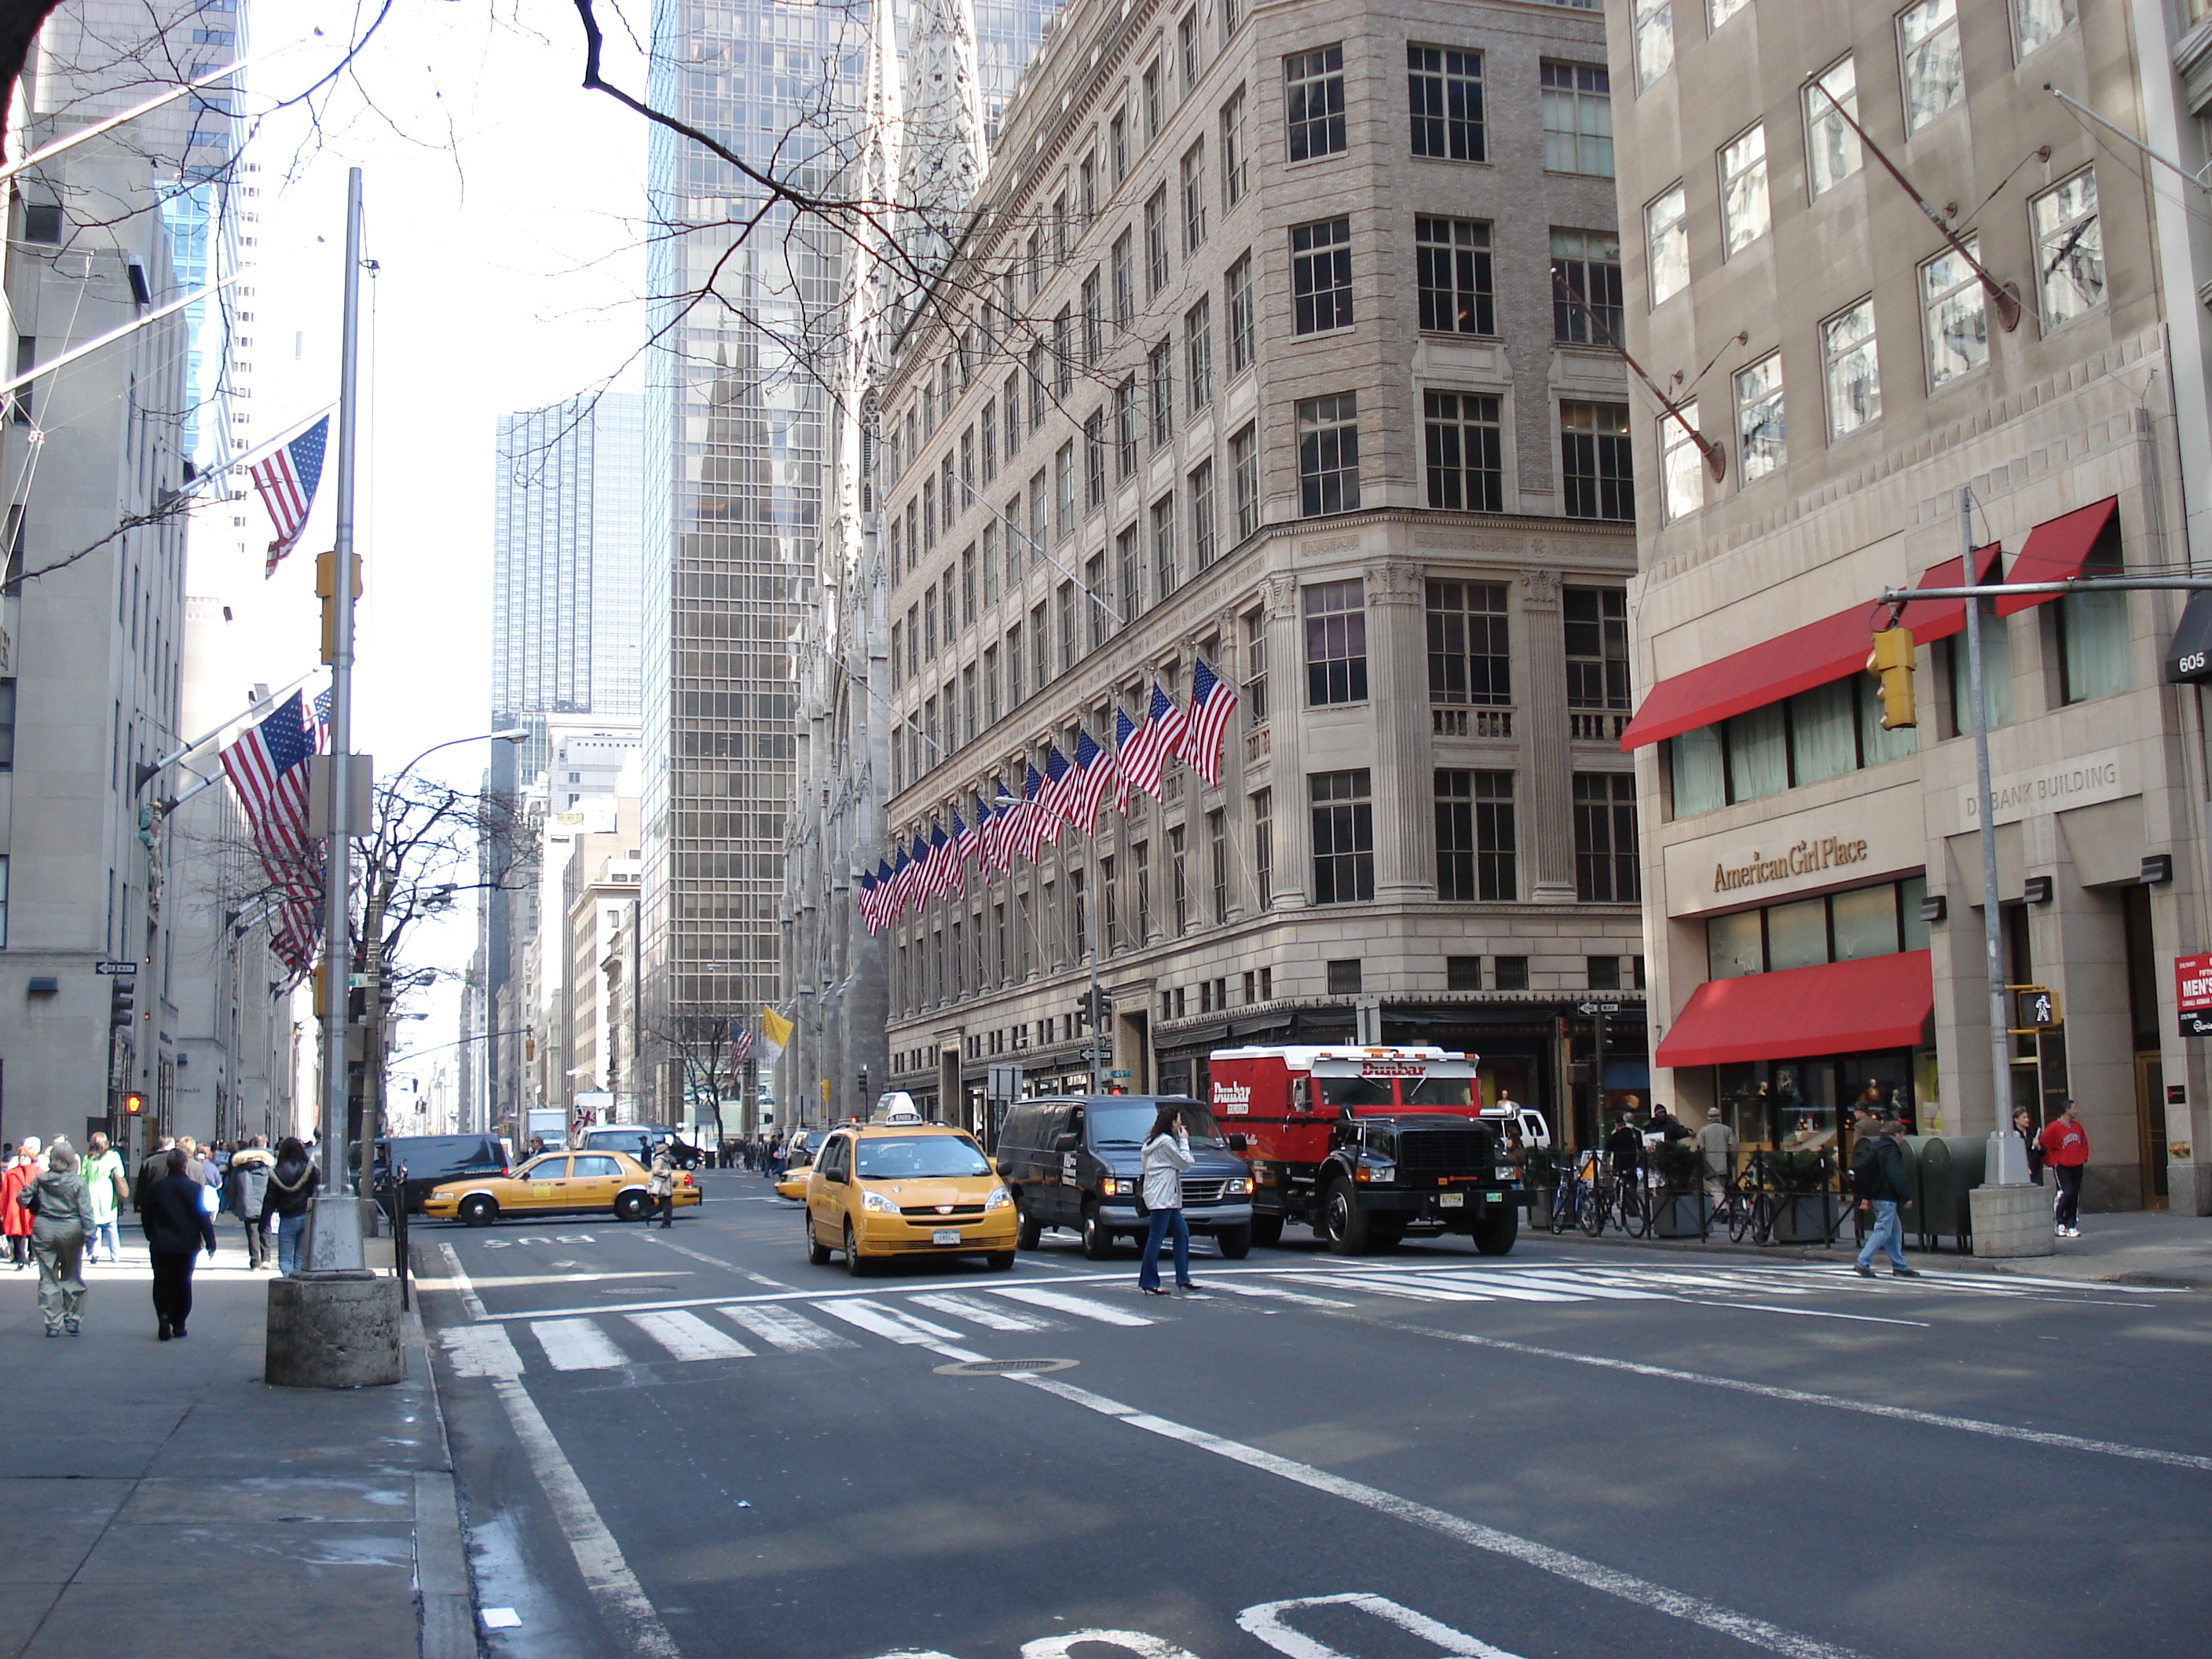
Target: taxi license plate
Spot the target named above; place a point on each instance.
(1452, 1200)
(945, 1236)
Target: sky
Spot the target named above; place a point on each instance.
(503, 208)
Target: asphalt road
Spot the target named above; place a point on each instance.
(690, 1442)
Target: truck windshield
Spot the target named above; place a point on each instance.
(1355, 1090)
(1434, 1090)
(918, 1157)
(1126, 1126)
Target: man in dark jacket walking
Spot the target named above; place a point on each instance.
(1878, 1183)
(177, 1226)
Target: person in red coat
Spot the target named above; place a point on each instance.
(2065, 1146)
(15, 1221)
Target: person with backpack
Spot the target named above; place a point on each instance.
(2065, 1146)
(1878, 1184)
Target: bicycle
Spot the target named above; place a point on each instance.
(1566, 1200)
(1752, 1204)
(1633, 1203)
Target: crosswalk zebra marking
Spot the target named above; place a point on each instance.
(982, 1313)
(1374, 1285)
(481, 1351)
(577, 1345)
(879, 1321)
(1237, 1287)
(687, 1336)
(1059, 1302)
(780, 1328)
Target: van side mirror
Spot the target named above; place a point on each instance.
(1237, 1143)
(1066, 1143)
(1004, 1169)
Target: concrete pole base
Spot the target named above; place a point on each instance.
(2012, 1221)
(333, 1331)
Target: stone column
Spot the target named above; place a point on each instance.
(1285, 772)
(1546, 807)
(1404, 790)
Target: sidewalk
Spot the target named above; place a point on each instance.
(2141, 1247)
(163, 1500)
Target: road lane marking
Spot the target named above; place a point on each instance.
(523, 1280)
(1063, 1646)
(689, 1337)
(1059, 1302)
(1577, 1569)
(621, 1599)
(879, 1321)
(1801, 1313)
(481, 1351)
(983, 1314)
(1405, 1292)
(782, 1328)
(577, 1345)
(1581, 1287)
(1218, 1282)
(712, 1261)
(1837, 1402)
(459, 1277)
(1265, 1621)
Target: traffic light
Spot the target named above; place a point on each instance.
(133, 1104)
(122, 1000)
(326, 590)
(1891, 662)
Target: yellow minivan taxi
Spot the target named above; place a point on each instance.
(883, 1190)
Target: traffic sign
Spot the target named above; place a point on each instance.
(116, 967)
(1094, 1054)
(1119, 1077)
(1598, 1007)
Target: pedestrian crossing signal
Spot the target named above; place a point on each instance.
(133, 1104)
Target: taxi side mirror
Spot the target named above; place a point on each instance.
(837, 1176)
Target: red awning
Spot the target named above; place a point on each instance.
(1838, 1008)
(1797, 661)
(2055, 552)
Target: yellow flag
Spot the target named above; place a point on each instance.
(776, 1033)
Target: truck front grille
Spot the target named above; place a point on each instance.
(1203, 1192)
(1445, 1152)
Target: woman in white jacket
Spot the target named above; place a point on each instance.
(1166, 1155)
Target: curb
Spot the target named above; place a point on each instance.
(2028, 1266)
(445, 1601)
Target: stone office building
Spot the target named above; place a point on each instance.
(1253, 353)
(1812, 881)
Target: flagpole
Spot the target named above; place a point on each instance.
(335, 1243)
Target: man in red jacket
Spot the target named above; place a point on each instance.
(2065, 1146)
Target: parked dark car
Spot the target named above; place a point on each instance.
(1077, 1161)
(431, 1160)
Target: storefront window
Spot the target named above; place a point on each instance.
(1700, 773)
(1877, 745)
(1797, 934)
(1823, 740)
(1865, 923)
(1911, 894)
(1997, 677)
(1735, 946)
(1759, 753)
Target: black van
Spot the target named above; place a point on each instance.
(1076, 1161)
(430, 1160)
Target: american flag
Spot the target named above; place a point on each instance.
(269, 769)
(287, 477)
(969, 839)
(902, 883)
(741, 1044)
(1059, 798)
(917, 875)
(865, 903)
(1211, 703)
(1095, 768)
(320, 718)
(1157, 738)
(1124, 729)
(944, 850)
(885, 905)
(1031, 814)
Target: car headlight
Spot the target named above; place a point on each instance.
(1506, 1172)
(876, 1204)
(1376, 1172)
(1238, 1186)
(1109, 1186)
(998, 1200)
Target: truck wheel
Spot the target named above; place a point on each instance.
(1266, 1231)
(1097, 1243)
(478, 1210)
(1348, 1233)
(1495, 1233)
(817, 1253)
(1236, 1243)
(1028, 1230)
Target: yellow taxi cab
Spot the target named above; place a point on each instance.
(902, 1186)
(556, 1183)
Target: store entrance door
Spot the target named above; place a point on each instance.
(2150, 1127)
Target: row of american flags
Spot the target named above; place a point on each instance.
(1064, 793)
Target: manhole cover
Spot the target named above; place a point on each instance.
(999, 1367)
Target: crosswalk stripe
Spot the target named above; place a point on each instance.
(1587, 1287)
(1059, 1303)
(481, 1351)
(1519, 1288)
(687, 1336)
(577, 1345)
(982, 1313)
(1388, 1288)
(1242, 1289)
(879, 1321)
(781, 1328)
